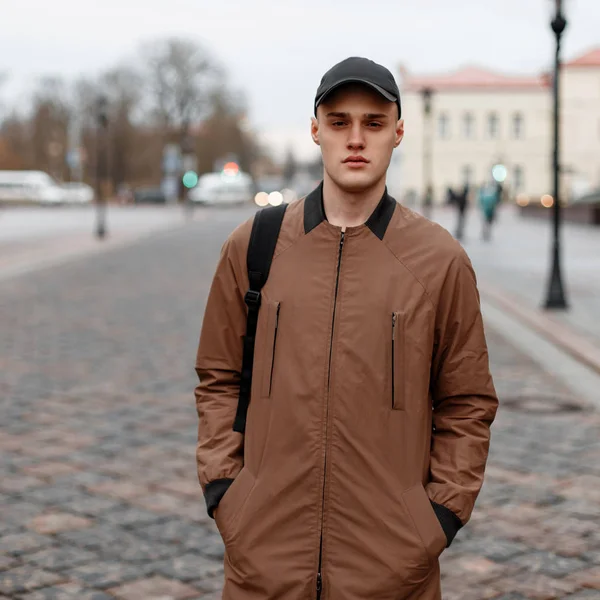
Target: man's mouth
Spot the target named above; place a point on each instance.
(356, 160)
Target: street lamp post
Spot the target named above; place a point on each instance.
(555, 298)
(101, 164)
(427, 93)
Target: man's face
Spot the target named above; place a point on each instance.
(357, 130)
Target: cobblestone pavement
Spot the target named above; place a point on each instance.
(98, 491)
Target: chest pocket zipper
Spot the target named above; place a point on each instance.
(398, 370)
(269, 355)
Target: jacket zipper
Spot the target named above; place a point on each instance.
(337, 283)
(274, 343)
(393, 356)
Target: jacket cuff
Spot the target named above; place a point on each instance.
(448, 520)
(213, 493)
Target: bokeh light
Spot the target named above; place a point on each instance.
(261, 199)
(190, 179)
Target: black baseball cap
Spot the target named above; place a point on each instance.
(359, 70)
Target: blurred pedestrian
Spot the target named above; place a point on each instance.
(489, 198)
(362, 449)
(461, 201)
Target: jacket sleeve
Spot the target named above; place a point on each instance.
(464, 399)
(219, 452)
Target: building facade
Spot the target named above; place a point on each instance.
(480, 119)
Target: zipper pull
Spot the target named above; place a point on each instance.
(393, 326)
(319, 585)
(277, 317)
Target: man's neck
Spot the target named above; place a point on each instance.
(350, 209)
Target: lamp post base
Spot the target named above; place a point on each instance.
(555, 299)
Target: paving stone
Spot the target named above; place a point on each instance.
(58, 522)
(176, 531)
(20, 483)
(102, 575)
(67, 591)
(155, 588)
(549, 564)
(58, 558)
(25, 578)
(7, 562)
(124, 490)
(20, 543)
(589, 578)
(92, 505)
(210, 584)
(188, 567)
(132, 516)
(49, 469)
(536, 586)
(583, 595)
(54, 495)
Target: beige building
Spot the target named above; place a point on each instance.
(480, 119)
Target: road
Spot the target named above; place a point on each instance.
(98, 491)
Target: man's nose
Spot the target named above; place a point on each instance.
(356, 139)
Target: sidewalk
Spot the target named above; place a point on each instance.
(34, 238)
(513, 272)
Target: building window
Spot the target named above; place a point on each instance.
(518, 178)
(468, 126)
(493, 126)
(444, 126)
(518, 126)
(467, 175)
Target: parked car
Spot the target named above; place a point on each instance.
(36, 187)
(78, 193)
(222, 189)
(149, 195)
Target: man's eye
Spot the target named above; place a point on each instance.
(338, 123)
(374, 125)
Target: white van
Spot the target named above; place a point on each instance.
(29, 186)
(222, 189)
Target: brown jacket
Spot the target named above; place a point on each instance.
(368, 428)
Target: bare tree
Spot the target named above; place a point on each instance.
(181, 77)
(49, 126)
(123, 88)
(225, 132)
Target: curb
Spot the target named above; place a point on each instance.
(548, 327)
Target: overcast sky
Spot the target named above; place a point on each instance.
(277, 50)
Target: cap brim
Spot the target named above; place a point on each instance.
(389, 97)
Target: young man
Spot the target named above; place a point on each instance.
(367, 431)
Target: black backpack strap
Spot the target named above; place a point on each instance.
(263, 239)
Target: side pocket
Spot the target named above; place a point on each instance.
(230, 507)
(271, 341)
(425, 520)
(398, 359)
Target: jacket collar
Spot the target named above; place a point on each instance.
(314, 212)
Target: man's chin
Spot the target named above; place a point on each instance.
(355, 183)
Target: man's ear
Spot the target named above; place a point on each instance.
(399, 132)
(314, 130)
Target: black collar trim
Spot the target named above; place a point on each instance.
(314, 212)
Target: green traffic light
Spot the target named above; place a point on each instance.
(190, 179)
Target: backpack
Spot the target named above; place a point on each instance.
(263, 239)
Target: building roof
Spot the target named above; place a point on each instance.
(589, 59)
(473, 78)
